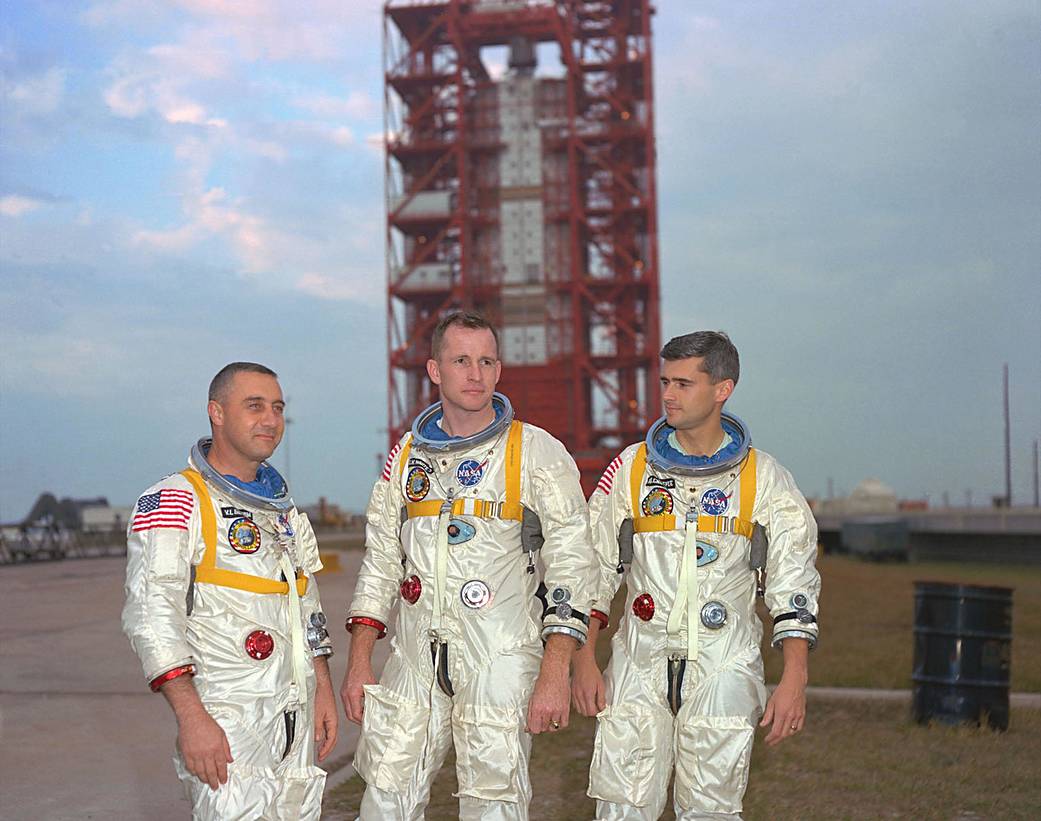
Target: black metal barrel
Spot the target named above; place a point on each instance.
(962, 653)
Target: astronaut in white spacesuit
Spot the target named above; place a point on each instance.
(684, 519)
(471, 509)
(223, 611)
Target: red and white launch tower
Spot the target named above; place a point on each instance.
(530, 198)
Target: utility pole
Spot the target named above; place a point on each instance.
(1037, 500)
(1008, 446)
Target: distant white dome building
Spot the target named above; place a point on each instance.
(872, 496)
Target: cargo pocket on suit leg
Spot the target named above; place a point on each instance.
(392, 739)
(627, 740)
(488, 752)
(712, 759)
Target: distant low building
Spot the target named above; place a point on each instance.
(872, 497)
(103, 518)
(330, 516)
(73, 514)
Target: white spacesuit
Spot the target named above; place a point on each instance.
(445, 525)
(206, 592)
(684, 686)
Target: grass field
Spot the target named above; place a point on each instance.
(867, 618)
(856, 759)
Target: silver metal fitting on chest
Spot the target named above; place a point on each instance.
(714, 615)
(475, 594)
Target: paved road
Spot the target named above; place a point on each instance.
(81, 736)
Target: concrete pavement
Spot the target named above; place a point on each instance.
(81, 736)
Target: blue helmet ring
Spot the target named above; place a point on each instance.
(665, 457)
(427, 432)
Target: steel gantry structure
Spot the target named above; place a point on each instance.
(530, 198)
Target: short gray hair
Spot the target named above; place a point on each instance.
(718, 354)
(222, 381)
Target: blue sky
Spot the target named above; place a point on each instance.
(852, 191)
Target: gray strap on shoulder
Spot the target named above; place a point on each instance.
(189, 596)
(757, 553)
(531, 531)
(757, 558)
(625, 542)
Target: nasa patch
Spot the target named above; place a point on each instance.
(657, 502)
(469, 473)
(244, 536)
(715, 502)
(417, 485)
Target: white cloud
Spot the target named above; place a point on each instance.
(338, 260)
(185, 112)
(496, 69)
(357, 105)
(269, 149)
(117, 12)
(15, 205)
(70, 354)
(212, 214)
(375, 142)
(157, 81)
(176, 239)
(35, 94)
(215, 80)
(187, 60)
(327, 287)
(340, 136)
(254, 29)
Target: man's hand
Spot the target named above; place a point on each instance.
(786, 708)
(587, 686)
(204, 747)
(359, 671)
(549, 706)
(325, 715)
(200, 740)
(587, 682)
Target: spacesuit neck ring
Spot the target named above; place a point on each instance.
(444, 443)
(197, 460)
(666, 458)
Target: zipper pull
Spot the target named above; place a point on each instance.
(446, 505)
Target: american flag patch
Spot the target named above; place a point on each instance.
(385, 476)
(608, 478)
(165, 508)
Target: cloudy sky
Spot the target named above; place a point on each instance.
(852, 190)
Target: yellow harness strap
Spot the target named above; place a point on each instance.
(481, 508)
(685, 607)
(207, 571)
(742, 525)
